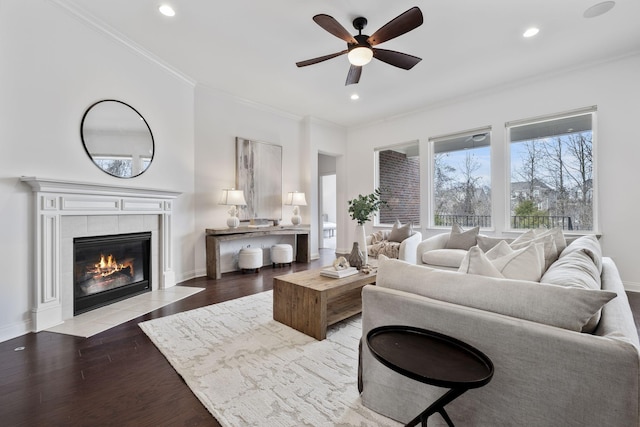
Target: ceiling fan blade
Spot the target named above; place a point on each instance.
(320, 59)
(397, 59)
(331, 25)
(401, 24)
(353, 76)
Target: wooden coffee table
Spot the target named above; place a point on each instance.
(309, 302)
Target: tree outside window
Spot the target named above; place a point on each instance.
(552, 173)
(462, 180)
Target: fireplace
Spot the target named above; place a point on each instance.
(111, 268)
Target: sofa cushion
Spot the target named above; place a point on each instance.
(451, 258)
(575, 269)
(564, 307)
(400, 232)
(461, 239)
(578, 270)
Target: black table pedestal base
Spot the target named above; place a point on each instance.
(438, 406)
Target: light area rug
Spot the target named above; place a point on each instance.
(249, 370)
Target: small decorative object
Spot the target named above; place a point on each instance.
(296, 199)
(341, 263)
(366, 269)
(233, 198)
(355, 257)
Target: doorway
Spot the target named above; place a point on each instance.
(327, 199)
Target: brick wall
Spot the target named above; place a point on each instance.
(401, 176)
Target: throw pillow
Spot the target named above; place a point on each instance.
(523, 264)
(400, 232)
(550, 250)
(488, 242)
(558, 236)
(476, 262)
(499, 250)
(460, 239)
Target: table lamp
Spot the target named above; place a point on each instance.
(296, 199)
(233, 198)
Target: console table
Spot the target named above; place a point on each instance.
(215, 236)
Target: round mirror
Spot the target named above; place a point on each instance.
(117, 138)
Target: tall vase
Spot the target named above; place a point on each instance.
(361, 238)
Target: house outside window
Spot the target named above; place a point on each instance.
(552, 172)
(398, 176)
(461, 177)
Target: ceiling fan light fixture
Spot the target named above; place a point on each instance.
(360, 56)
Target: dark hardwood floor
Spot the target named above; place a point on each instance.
(118, 377)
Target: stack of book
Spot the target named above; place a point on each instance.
(332, 272)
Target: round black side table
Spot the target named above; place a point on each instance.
(431, 358)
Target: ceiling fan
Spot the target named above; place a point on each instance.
(360, 48)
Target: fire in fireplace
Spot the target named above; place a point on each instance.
(109, 269)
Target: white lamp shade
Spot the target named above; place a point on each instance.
(296, 198)
(233, 197)
(360, 56)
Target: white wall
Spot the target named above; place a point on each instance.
(612, 86)
(53, 67)
(219, 119)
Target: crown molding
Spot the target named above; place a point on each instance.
(100, 26)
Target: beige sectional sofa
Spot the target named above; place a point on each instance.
(565, 354)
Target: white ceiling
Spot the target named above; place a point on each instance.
(248, 48)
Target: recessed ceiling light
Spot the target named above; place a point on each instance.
(355, 97)
(599, 9)
(167, 10)
(531, 32)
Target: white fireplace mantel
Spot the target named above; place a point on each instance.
(55, 199)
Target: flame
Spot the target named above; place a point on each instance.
(107, 266)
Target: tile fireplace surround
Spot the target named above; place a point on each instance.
(64, 210)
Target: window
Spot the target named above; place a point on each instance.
(461, 176)
(551, 172)
(118, 166)
(398, 176)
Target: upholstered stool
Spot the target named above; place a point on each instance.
(250, 259)
(281, 254)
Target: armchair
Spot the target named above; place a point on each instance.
(377, 243)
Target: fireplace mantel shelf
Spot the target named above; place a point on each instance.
(71, 187)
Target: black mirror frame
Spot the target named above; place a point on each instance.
(84, 143)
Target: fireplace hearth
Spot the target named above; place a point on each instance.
(110, 268)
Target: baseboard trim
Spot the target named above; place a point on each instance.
(631, 286)
(15, 330)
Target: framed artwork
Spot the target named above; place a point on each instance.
(259, 175)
